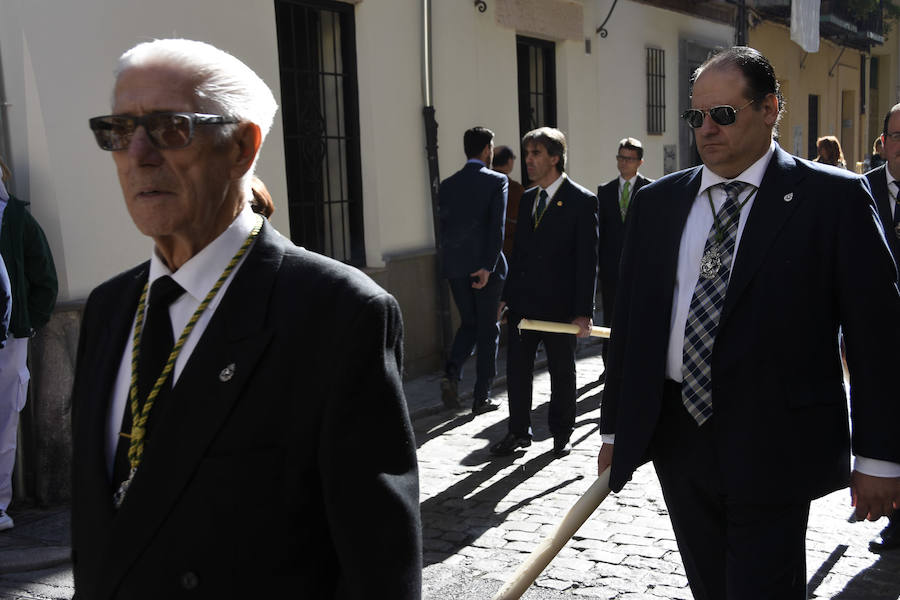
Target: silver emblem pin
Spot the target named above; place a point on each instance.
(227, 373)
(789, 197)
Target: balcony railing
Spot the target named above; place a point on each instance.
(836, 22)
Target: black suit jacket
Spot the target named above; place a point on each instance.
(811, 258)
(553, 269)
(296, 475)
(472, 209)
(612, 232)
(878, 182)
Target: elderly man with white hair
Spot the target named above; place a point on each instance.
(240, 425)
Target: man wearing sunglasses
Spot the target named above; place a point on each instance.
(614, 198)
(724, 367)
(885, 183)
(269, 447)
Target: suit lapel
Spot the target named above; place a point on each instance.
(880, 192)
(672, 226)
(776, 200)
(555, 204)
(93, 418)
(214, 377)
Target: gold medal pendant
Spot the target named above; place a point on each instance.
(710, 263)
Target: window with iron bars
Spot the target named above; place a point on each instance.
(320, 114)
(656, 91)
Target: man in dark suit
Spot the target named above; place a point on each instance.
(273, 450)
(504, 162)
(472, 206)
(613, 199)
(730, 379)
(884, 181)
(552, 276)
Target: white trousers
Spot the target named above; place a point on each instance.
(13, 389)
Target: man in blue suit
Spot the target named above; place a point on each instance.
(724, 366)
(552, 276)
(472, 209)
(884, 181)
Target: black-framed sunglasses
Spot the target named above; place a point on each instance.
(721, 115)
(166, 130)
(626, 158)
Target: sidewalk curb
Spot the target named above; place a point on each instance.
(21, 560)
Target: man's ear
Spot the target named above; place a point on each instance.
(247, 139)
(770, 106)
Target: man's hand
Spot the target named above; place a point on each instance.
(874, 497)
(584, 326)
(604, 459)
(501, 317)
(482, 275)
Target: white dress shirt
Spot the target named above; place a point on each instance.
(551, 191)
(197, 276)
(892, 190)
(693, 240)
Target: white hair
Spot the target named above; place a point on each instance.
(225, 85)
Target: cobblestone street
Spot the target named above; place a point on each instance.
(482, 516)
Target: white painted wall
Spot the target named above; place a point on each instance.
(58, 73)
(57, 66)
(621, 110)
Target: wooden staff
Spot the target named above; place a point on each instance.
(538, 560)
(553, 327)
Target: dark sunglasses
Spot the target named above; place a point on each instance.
(626, 158)
(166, 130)
(721, 115)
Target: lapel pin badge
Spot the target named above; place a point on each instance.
(789, 197)
(559, 202)
(227, 373)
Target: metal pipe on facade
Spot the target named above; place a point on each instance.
(434, 179)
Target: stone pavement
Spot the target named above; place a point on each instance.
(482, 516)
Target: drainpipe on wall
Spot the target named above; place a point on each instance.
(434, 179)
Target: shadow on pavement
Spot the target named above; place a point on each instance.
(479, 510)
(877, 582)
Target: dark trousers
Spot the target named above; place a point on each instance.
(521, 349)
(478, 330)
(732, 550)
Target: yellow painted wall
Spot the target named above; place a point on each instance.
(801, 75)
(830, 74)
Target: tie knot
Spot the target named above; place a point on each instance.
(733, 189)
(165, 291)
(543, 195)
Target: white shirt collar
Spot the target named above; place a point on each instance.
(623, 181)
(4, 195)
(752, 175)
(553, 187)
(199, 274)
(892, 190)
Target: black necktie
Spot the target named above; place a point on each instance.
(156, 345)
(541, 207)
(156, 339)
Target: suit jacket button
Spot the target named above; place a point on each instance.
(189, 580)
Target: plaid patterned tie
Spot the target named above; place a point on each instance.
(706, 306)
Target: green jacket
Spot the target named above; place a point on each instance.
(32, 275)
